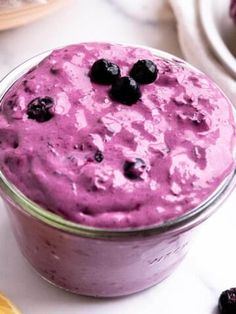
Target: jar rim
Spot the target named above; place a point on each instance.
(56, 221)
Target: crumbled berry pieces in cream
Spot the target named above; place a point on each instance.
(182, 129)
(134, 169)
(39, 109)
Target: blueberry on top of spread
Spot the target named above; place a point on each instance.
(98, 156)
(144, 72)
(39, 109)
(125, 90)
(133, 170)
(104, 72)
(227, 302)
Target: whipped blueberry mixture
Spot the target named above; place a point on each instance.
(114, 136)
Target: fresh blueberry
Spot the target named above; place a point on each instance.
(104, 72)
(39, 109)
(99, 156)
(144, 72)
(125, 90)
(133, 170)
(227, 302)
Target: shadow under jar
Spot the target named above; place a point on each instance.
(94, 261)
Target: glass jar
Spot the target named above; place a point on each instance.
(100, 262)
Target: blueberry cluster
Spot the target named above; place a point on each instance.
(125, 89)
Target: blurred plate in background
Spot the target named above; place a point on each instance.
(26, 13)
(220, 31)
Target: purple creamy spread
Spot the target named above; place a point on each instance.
(100, 162)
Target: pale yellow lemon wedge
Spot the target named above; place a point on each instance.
(6, 307)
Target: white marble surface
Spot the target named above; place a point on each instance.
(210, 265)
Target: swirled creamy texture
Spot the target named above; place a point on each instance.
(182, 129)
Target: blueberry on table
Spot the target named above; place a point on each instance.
(125, 90)
(39, 109)
(227, 302)
(144, 72)
(99, 156)
(133, 170)
(104, 72)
